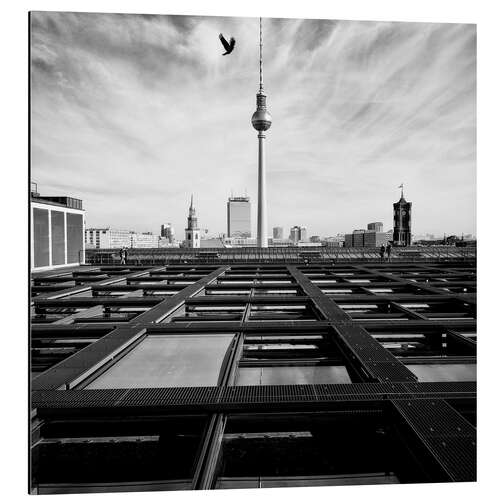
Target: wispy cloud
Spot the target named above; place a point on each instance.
(133, 113)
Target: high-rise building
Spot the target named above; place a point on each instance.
(295, 234)
(278, 233)
(402, 221)
(375, 226)
(239, 223)
(298, 233)
(167, 231)
(192, 230)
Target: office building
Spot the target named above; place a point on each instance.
(358, 236)
(57, 225)
(315, 239)
(144, 240)
(313, 374)
(402, 221)
(167, 231)
(362, 238)
(108, 237)
(295, 234)
(335, 241)
(278, 233)
(192, 230)
(378, 227)
(165, 243)
(239, 223)
(298, 233)
(375, 239)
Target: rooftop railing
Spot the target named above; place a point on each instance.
(160, 256)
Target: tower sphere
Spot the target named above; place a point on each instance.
(261, 120)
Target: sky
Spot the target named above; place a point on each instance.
(134, 113)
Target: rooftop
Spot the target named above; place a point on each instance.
(345, 356)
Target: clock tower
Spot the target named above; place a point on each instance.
(402, 221)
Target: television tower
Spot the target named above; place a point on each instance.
(261, 121)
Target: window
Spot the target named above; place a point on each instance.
(287, 375)
(120, 455)
(459, 372)
(272, 451)
(41, 237)
(168, 361)
(57, 223)
(74, 230)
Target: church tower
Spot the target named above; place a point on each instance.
(192, 231)
(402, 221)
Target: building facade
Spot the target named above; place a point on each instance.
(107, 238)
(57, 231)
(361, 238)
(298, 233)
(335, 241)
(402, 222)
(278, 233)
(167, 231)
(239, 222)
(375, 226)
(192, 230)
(294, 234)
(144, 240)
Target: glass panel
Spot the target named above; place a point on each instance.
(119, 456)
(57, 223)
(168, 361)
(74, 228)
(41, 237)
(305, 452)
(444, 372)
(284, 375)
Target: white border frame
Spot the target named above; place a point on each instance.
(14, 126)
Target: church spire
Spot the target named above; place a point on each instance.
(192, 230)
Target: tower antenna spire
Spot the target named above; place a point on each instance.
(261, 81)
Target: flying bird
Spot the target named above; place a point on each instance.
(227, 46)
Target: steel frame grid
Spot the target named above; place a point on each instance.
(387, 380)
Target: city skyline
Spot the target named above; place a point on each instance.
(359, 107)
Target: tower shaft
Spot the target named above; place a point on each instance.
(262, 196)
